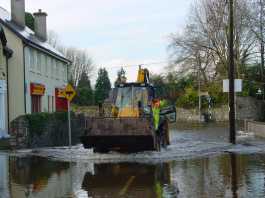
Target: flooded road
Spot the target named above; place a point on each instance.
(199, 163)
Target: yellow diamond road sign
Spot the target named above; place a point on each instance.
(69, 92)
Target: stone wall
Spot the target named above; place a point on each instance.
(192, 115)
(55, 133)
(92, 111)
(246, 108)
(250, 108)
(258, 128)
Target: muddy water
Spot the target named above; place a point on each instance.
(199, 163)
(226, 175)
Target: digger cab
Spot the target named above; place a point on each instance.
(133, 99)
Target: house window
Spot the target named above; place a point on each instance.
(42, 63)
(27, 57)
(57, 67)
(61, 70)
(32, 53)
(50, 104)
(52, 68)
(65, 73)
(35, 60)
(46, 65)
(49, 66)
(38, 62)
(62, 73)
(35, 104)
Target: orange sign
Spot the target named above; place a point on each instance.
(37, 89)
(60, 93)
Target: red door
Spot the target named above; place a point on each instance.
(35, 104)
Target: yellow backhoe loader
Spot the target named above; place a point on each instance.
(130, 128)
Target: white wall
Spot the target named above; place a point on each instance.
(4, 189)
(15, 76)
(3, 109)
(44, 69)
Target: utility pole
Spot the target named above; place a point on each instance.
(262, 45)
(199, 93)
(231, 74)
(69, 124)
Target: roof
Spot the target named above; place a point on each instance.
(28, 36)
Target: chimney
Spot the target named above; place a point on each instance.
(18, 12)
(40, 25)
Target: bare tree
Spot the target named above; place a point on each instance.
(257, 21)
(205, 40)
(80, 58)
(53, 39)
(81, 63)
(190, 56)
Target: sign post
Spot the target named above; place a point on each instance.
(69, 94)
(69, 124)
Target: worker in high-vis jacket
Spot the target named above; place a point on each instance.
(157, 105)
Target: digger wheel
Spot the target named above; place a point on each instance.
(101, 150)
(162, 138)
(166, 133)
(158, 142)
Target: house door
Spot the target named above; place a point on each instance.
(3, 109)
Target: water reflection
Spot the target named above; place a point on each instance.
(123, 180)
(38, 177)
(227, 175)
(233, 174)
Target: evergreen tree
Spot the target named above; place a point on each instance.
(84, 80)
(103, 86)
(121, 78)
(85, 94)
(29, 19)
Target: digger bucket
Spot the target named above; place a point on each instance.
(122, 134)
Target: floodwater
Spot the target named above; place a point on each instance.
(199, 163)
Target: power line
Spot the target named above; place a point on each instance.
(137, 65)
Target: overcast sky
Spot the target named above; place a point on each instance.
(115, 32)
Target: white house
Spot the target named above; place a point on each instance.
(5, 54)
(36, 72)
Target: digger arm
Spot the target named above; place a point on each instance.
(143, 75)
(169, 112)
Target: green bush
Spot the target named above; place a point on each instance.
(217, 95)
(39, 121)
(189, 99)
(250, 88)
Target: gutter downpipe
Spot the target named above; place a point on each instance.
(8, 54)
(7, 79)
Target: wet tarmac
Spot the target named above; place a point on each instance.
(199, 163)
